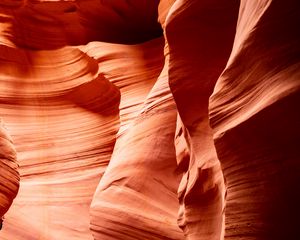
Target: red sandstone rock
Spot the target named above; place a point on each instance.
(200, 38)
(63, 117)
(9, 174)
(119, 21)
(137, 196)
(117, 141)
(255, 120)
(39, 24)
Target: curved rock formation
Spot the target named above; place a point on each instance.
(256, 93)
(63, 116)
(9, 174)
(63, 113)
(119, 21)
(39, 24)
(193, 135)
(128, 203)
(256, 124)
(199, 37)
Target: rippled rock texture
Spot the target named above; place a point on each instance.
(171, 119)
(9, 171)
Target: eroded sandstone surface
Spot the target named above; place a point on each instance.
(171, 119)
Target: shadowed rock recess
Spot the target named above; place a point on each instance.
(149, 120)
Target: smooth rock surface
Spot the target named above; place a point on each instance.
(9, 175)
(199, 37)
(171, 119)
(63, 113)
(256, 124)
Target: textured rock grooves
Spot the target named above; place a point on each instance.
(197, 56)
(114, 131)
(256, 97)
(9, 174)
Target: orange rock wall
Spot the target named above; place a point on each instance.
(9, 174)
(171, 119)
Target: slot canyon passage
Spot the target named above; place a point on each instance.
(149, 120)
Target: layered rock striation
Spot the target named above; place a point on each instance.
(171, 119)
(9, 174)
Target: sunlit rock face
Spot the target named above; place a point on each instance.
(57, 130)
(171, 119)
(63, 108)
(137, 196)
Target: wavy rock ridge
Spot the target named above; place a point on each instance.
(9, 171)
(174, 119)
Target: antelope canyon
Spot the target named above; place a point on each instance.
(149, 120)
